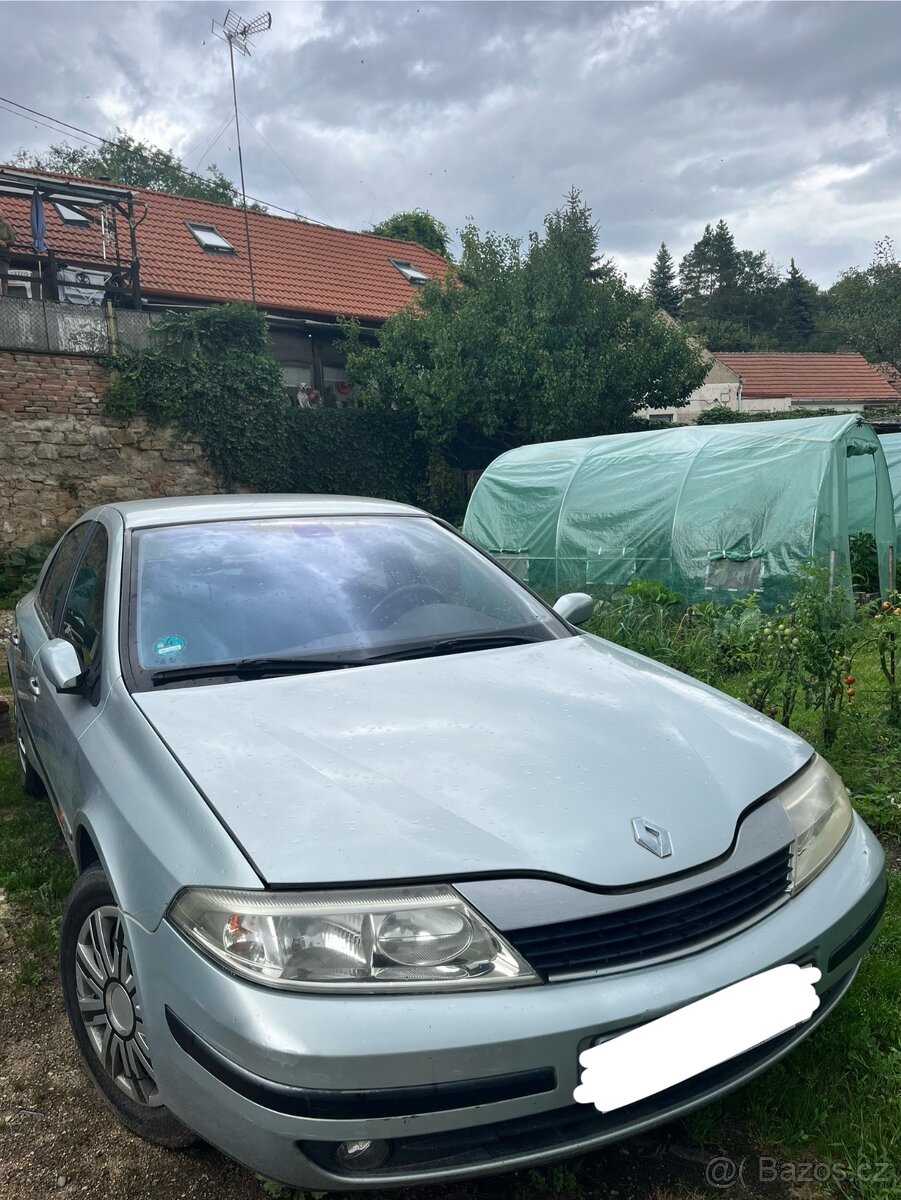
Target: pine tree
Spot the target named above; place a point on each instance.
(725, 257)
(662, 287)
(728, 295)
(696, 276)
(798, 302)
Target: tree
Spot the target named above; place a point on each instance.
(728, 295)
(697, 276)
(756, 303)
(417, 225)
(797, 309)
(662, 288)
(135, 164)
(727, 266)
(865, 307)
(524, 345)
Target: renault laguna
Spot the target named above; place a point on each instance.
(382, 860)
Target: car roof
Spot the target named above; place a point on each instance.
(181, 510)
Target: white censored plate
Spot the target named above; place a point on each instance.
(693, 1039)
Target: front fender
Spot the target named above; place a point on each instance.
(153, 831)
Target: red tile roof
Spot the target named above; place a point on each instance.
(297, 266)
(821, 377)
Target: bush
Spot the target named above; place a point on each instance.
(19, 570)
(722, 414)
(796, 664)
(212, 375)
(864, 563)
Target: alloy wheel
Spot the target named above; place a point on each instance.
(110, 1005)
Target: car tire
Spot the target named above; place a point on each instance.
(103, 1004)
(29, 780)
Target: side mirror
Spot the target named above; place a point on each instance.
(575, 607)
(61, 665)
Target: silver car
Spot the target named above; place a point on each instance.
(372, 844)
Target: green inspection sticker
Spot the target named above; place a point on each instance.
(166, 647)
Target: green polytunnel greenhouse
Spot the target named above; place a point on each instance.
(712, 511)
(860, 490)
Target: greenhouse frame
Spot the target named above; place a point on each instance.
(712, 511)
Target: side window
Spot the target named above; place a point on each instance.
(50, 597)
(83, 615)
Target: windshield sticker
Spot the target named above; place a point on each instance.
(166, 647)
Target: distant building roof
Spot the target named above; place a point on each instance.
(822, 377)
(297, 266)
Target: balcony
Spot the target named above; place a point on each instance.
(42, 326)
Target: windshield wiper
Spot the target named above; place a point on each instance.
(255, 668)
(252, 668)
(456, 645)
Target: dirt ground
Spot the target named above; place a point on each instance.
(57, 1136)
(58, 1139)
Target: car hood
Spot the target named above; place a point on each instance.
(524, 759)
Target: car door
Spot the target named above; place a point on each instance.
(64, 716)
(37, 617)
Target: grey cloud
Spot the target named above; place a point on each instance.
(880, 181)
(667, 116)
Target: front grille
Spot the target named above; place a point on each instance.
(658, 928)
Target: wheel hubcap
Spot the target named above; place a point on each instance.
(119, 1010)
(110, 1005)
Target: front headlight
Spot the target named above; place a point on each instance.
(388, 938)
(818, 807)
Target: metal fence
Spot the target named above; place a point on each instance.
(133, 328)
(42, 325)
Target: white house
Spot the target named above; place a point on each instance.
(753, 383)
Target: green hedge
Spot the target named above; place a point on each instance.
(721, 414)
(212, 374)
(355, 451)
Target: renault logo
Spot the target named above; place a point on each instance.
(653, 837)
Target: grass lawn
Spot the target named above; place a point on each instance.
(36, 871)
(835, 1100)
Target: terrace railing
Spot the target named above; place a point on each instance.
(44, 325)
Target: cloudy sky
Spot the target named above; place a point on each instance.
(784, 118)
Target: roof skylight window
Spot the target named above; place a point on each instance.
(410, 273)
(69, 215)
(210, 238)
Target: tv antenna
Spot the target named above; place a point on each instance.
(238, 33)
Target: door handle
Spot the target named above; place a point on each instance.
(34, 685)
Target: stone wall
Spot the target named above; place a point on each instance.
(60, 456)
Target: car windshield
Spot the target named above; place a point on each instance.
(316, 588)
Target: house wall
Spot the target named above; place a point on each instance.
(721, 386)
(60, 456)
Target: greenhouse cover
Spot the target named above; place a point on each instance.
(860, 489)
(712, 511)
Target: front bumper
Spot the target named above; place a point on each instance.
(276, 1079)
